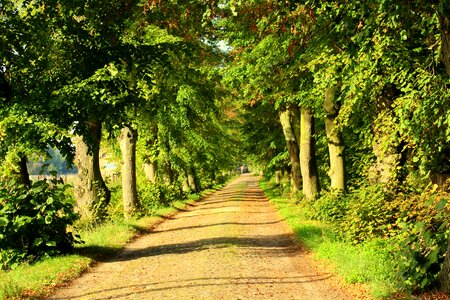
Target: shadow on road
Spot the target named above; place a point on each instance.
(199, 282)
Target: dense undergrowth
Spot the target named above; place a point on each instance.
(34, 221)
(393, 243)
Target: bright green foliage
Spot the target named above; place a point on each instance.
(370, 263)
(155, 196)
(33, 222)
(154, 66)
(384, 57)
(414, 225)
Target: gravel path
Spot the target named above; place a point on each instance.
(231, 245)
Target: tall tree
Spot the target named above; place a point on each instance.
(287, 120)
(310, 175)
(335, 141)
(127, 141)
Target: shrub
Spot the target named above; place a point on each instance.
(330, 207)
(413, 224)
(370, 215)
(34, 221)
(422, 239)
(156, 195)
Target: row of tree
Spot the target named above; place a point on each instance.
(337, 94)
(358, 89)
(144, 73)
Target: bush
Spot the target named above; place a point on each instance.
(154, 196)
(422, 239)
(330, 207)
(413, 224)
(34, 221)
(371, 214)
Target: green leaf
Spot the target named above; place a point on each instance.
(48, 219)
(37, 242)
(3, 222)
(50, 200)
(441, 204)
(50, 243)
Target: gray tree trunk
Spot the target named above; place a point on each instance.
(168, 176)
(387, 157)
(150, 170)
(444, 275)
(150, 159)
(335, 142)
(185, 183)
(127, 141)
(192, 181)
(278, 175)
(286, 118)
(23, 170)
(90, 190)
(307, 154)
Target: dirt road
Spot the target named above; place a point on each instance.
(231, 245)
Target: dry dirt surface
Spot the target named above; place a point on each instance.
(231, 245)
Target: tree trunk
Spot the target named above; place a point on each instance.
(23, 172)
(150, 159)
(90, 190)
(150, 170)
(185, 183)
(127, 141)
(444, 275)
(167, 173)
(387, 155)
(293, 148)
(335, 142)
(278, 175)
(444, 18)
(307, 154)
(192, 180)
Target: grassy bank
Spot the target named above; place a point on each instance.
(40, 278)
(368, 264)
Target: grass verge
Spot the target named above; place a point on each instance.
(368, 264)
(39, 279)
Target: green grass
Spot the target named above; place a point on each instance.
(40, 278)
(368, 264)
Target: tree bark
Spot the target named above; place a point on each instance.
(278, 175)
(127, 142)
(444, 275)
(387, 155)
(150, 168)
(335, 142)
(445, 35)
(90, 190)
(307, 154)
(185, 183)
(168, 176)
(192, 181)
(23, 172)
(150, 160)
(293, 148)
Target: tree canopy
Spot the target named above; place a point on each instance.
(332, 99)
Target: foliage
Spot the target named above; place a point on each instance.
(422, 239)
(330, 207)
(413, 224)
(38, 279)
(154, 196)
(370, 263)
(34, 222)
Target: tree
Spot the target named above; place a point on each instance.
(288, 119)
(127, 141)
